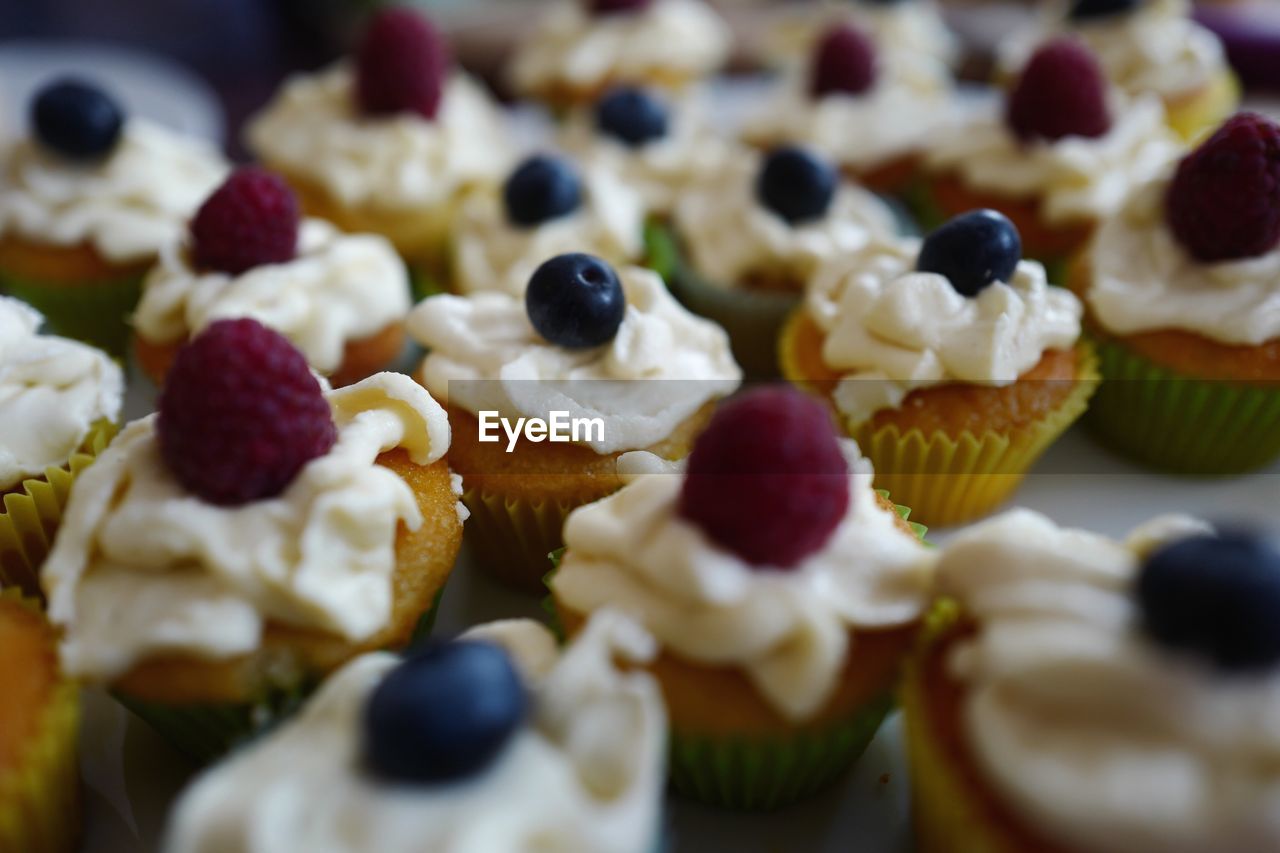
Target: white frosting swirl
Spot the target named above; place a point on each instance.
(892, 330)
(141, 567)
(491, 253)
(52, 391)
(340, 288)
(1143, 280)
(400, 163)
(667, 41)
(662, 366)
(729, 234)
(126, 206)
(1092, 733)
(584, 775)
(1074, 178)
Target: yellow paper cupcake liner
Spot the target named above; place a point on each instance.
(95, 312)
(512, 539)
(33, 511)
(1206, 109)
(39, 798)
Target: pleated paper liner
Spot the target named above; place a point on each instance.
(1207, 109)
(1179, 424)
(206, 732)
(95, 312)
(39, 796)
(511, 538)
(33, 511)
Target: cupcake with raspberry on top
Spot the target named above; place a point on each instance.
(389, 142)
(228, 552)
(339, 298)
(783, 590)
(1181, 292)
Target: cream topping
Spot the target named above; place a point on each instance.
(791, 632)
(126, 207)
(141, 567)
(891, 330)
(1143, 280)
(584, 775)
(52, 391)
(1085, 727)
(662, 366)
(339, 289)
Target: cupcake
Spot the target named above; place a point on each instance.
(389, 142)
(952, 361)
(228, 552)
(582, 48)
(59, 404)
(546, 207)
(39, 724)
(1083, 694)
(1181, 296)
(783, 591)
(746, 244)
(496, 741)
(339, 298)
(611, 355)
(87, 202)
(1146, 47)
(1058, 155)
(873, 112)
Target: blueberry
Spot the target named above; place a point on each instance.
(542, 188)
(444, 713)
(796, 184)
(1086, 10)
(1217, 596)
(972, 250)
(76, 119)
(632, 116)
(575, 301)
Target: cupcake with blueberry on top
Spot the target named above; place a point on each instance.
(1084, 694)
(548, 206)
(86, 204)
(339, 298)
(952, 361)
(783, 590)
(389, 142)
(595, 344)
(745, 244)
(225, 554)
(580, 49)
(1181, 293)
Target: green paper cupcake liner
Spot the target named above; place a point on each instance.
(1181, 424)
(424, 282)
(511, 539)
(660, 251)
(94, 312)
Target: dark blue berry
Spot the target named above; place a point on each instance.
(632, 116)
(444, 713)
(1085, 10)
(972, 250)
(797, 184)
(76, 119)
(575, 301)
(542, 188)
(1215, 596)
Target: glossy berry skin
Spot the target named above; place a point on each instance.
(1061, 92)
(844, 63)
(443, 714)
(767, 480)
(632, 116)
(973, 250)
(249, 221)
(611, 7)
(1217, 597)
(401, 65)
(76, 119)
(797, 184)
(541, 189)
(241, 413)
(1092, 10)
(575, 301)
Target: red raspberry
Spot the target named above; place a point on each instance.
(241, 413)
(401, 65)
(767, 479)
(1224, 201)
(843, 63)
(608, 7)
(1062, 92)
(252, 219)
